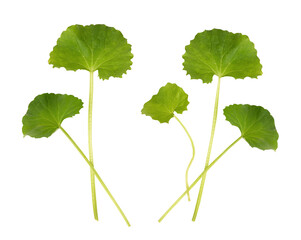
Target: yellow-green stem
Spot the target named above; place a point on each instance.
(209, 150)
(193, 154)
(96, 174)
(94, 202)
(199, 177)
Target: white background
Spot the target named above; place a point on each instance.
(45, 184)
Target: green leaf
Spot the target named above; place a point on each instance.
(46, 113)
(91, 48)
(255, 123)
(170, 98)
(221, 53)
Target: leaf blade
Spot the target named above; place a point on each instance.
(170, 98)
(93, 47)
(221, 53)
(46, 113)
(256, 124)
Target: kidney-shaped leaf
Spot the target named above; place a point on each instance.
(46, 113)
(93, 47)
(255, 123)
(170, 98)
(221, 53)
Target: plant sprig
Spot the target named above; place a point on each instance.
(162, 107)
(220, 53)
(257, 127)
(92, 48)
(45, 115)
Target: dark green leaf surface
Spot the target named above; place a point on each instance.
(170, 98)
(46, 113)
(255, 123)
(91, 48)
(221, 53)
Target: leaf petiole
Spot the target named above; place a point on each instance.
(94, 202)
(192, 158)
(96, 174)
(209, 150)
(198, 178)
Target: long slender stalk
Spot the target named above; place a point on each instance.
(193, 154)
(198, 178)
(209, 150)
(94, 202)
(96, 174)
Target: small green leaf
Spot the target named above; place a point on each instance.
(221, 53)
(91, 48)
(46, 113)
(255, 123)
(170, 98)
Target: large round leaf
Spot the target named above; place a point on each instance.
(255, 123)
(46, 113)
(170, 98)
(221, 53)
(93, 47)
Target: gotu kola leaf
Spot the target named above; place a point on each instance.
(46, 113)
(255, 123)
(170, 98)
(221, 53)
(91, 48)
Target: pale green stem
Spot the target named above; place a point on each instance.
(94, 202)
(199, 177)
(96, 174)
(193, 154)
(209, 150)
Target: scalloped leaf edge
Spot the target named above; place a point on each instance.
(262, 109)
(82, 105)
(191, 78)
(185, 109)
(119, 76)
